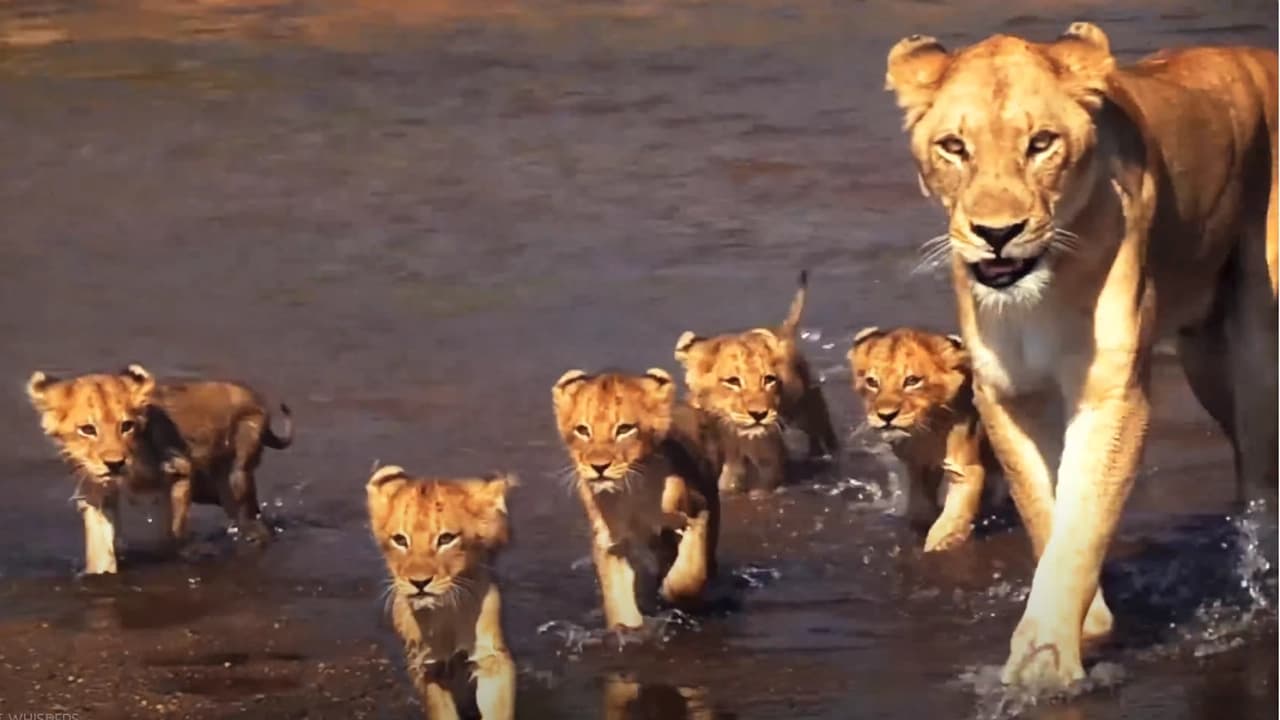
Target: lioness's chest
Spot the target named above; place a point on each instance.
(1021, 352)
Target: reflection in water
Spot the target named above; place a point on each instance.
(625, 699)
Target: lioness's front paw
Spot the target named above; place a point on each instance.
(1042, 660)
(945, 535)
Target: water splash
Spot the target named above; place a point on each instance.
(755, 577)
(575, 640)
(997, 701)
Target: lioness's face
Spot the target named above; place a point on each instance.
(434, 533)
(738, 378)
(905, 377)
(1003, 136)
(96, 420)
(612, 423)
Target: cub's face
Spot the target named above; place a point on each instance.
(905, 377)
(96, 420)
(1003, 135)
(739, 378)
(435, 533)
(612, 423)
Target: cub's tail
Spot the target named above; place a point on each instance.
(792, 323)
(281, 440)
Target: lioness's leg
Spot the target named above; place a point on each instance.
(619, 693)
(495, 677)
(98, 511)
(437, 700)
(1102, 448)
(1026, 434)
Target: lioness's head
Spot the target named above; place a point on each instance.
(96, 420)
(611, 423)
(1003, 135)
(907, 377)
(738, 378)
(435, 534)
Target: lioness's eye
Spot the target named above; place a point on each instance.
(445, 538)
(126, 427)
(872, 383)
(624, 429)
(582, 431)
(733, 382)
(911, 381)
(770, 380)
(1041, 142)
(952, 145)
(87, 430)
(401, 540)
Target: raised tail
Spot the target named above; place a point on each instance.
(281, 440)
(792, 323)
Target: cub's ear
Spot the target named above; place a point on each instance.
(953, 350)
(914, 66)
(384, 476)
(684, 344)
(562, 392)
(38, 388)
(1082, 56)
(956, 340)
(488, 504)
(661, 383)
(865, 333)
(142, 381)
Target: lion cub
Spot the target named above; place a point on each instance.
(439, 538)
(917, 388)
(196, 441)
(755, 382)
(644, 483)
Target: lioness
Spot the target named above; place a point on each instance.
(1092, 210)
(917, 390)
(755, 382)
(645, 485)
(439, 538)
(196, 441)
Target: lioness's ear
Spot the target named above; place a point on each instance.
(915, 65)
(37, 387)
(142, 381)
(1083, 58)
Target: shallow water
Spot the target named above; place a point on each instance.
(407, 219)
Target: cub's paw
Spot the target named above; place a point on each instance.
(947, 534)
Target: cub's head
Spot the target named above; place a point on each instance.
(1003, 134)
(612, 423)
(435, 534)
(96, 420)
(906, 378)
(739, 378)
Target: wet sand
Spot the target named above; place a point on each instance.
(407, 224)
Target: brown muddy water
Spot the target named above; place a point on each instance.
(407, 219)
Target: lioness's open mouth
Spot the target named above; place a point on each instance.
(1002, 272)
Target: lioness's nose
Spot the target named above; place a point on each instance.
(758, 415)
(421, 585)
(998, 237)
(887, 415)
(600, 467)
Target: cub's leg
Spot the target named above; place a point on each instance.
(687, 576)
(99, 511)
(241, 482)
(1250, 328)
(964, 496)
(495, 677)
(617, 586)
(733, 474)
(815, 420)
(437, 700)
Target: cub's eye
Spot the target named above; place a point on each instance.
(770, 380)
(582, 431)
(952, 145)
(400, 540)
(87, 430)
(733, 382)
(126, 427)
(1041, 141)
(911, 381)
(624, 429)
(445, 539)
(872, 383)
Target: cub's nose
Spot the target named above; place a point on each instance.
(114, 466)
(887, 415)
(998, 237)
(600, 468)
(758, 415)
(422, 584)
